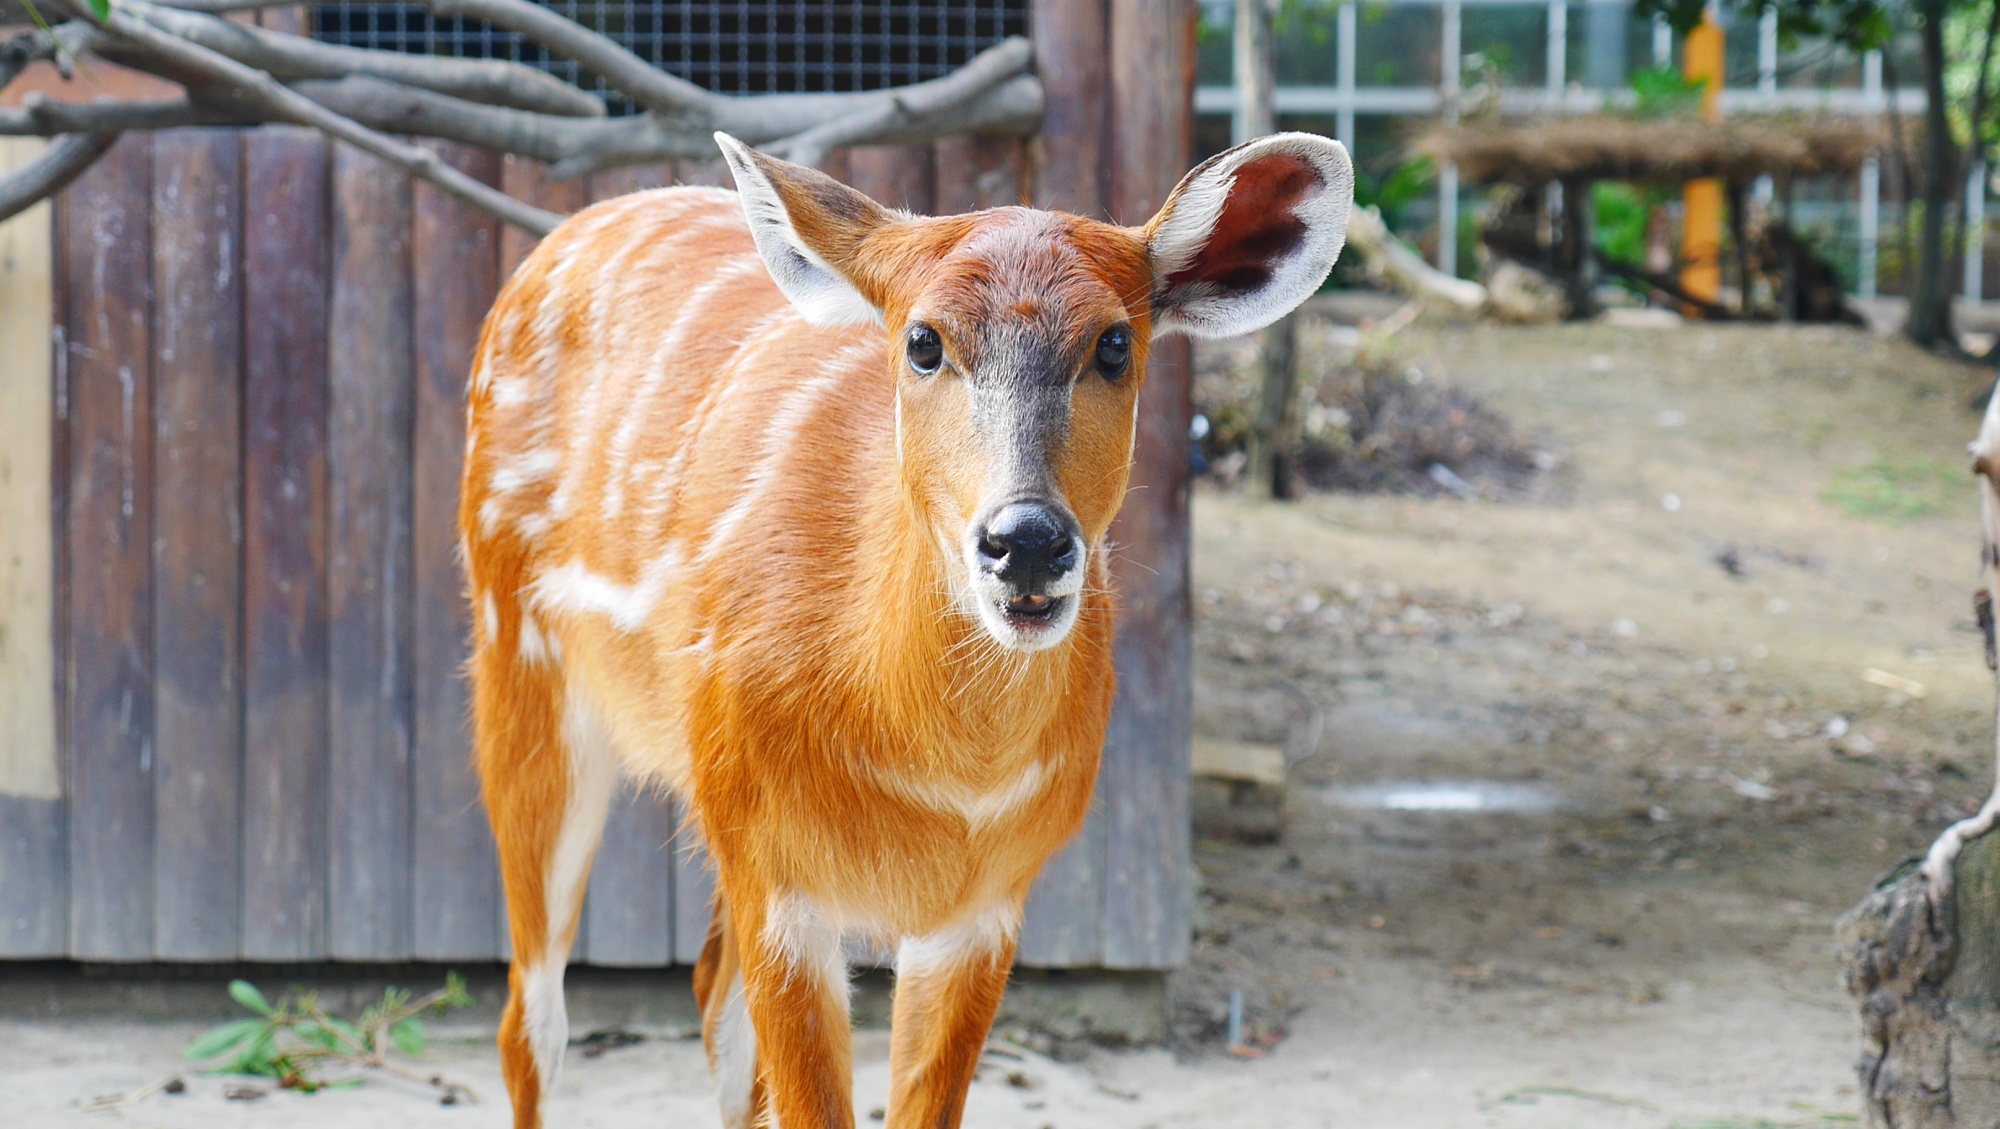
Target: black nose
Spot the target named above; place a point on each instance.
(1027, 544)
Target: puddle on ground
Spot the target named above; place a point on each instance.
(1450, 796)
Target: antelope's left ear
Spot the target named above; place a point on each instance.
(1249, 234)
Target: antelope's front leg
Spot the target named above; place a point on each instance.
(948, 987)
(795, 985)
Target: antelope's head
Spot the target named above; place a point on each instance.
(1018, 341)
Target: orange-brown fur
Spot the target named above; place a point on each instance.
(788, 685)
(711, 545)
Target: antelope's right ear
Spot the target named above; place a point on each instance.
(1249, 234)
(809, 229)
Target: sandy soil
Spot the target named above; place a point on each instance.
(1644, 941)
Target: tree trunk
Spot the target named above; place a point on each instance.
(1930, 296)
(1928, 990)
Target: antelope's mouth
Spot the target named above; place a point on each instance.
(1032, 611)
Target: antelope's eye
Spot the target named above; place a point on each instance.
(926, 349)
(1114, 352)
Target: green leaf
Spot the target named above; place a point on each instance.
(408, 1036)
(318, 1035)
(246, 993)
(101, 9)
(218, 1040)
(354, 1035)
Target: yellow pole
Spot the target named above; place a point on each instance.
(1701, 200)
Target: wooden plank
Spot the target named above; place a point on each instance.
(107, 279)
(975, 173)
(1064, 926)
(526, 179)
(33, 879)
(284, 547)
(1072, 46)
(629, 915)
(369, 416)
(694, 888)
(1144, 782)
(631, 178)
(197, 542)
(901, 176)
(455, 259)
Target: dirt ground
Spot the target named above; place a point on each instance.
(1636, 694)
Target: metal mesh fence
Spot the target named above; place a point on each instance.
(728, 46)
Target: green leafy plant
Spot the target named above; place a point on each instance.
(1662, 92)
(294, 1040)
(1396, 189)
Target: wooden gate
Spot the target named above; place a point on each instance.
(249, 738)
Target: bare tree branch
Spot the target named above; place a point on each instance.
(394, 108)
(44, 176)
(18, 52)
(645, 84)
(219, 6)
(259, 90)
(900, 107)
(38, 115)
(291, 58)
(1014, 107)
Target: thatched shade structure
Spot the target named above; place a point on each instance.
(1670, 150)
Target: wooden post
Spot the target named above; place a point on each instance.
(198, 336)
(1574, 251)
(900, 176)
(105, 240)
(1143, 788)
(284, 547)
(369, 667)
(1256, 115)
(1065, 919)
(455, 260)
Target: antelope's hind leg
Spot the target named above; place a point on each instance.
(547, 771)
(726, 1031)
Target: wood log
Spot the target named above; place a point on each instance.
(1396, 265)
(1927, 986)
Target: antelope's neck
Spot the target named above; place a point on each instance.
(942, 679)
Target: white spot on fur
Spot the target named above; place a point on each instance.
(593, 771)
(533, 524)
(508, 392)
(524, 469)
(808, 937)
(490, 615)
(980, 808)
(536, 647)
(574, 588)
(735, 1057)
(489, 516)
(780, 437)
(666, 355)
(546, 1019)
(980, 936)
